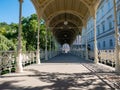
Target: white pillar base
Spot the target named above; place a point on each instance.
(96, 58)
(19, 67)
(86, 58)
(95, 61)
(38, 61)
(46, 57)
(38, 58)
(86, 55)
(46, 54)
(50, 55)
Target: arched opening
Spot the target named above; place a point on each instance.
(65, 48)
(66, 18)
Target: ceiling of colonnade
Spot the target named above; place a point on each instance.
(57, 12)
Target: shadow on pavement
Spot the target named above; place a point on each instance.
(60, 81)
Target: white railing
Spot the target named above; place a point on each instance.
(8, 60)
(107, 57)
(78, 52)
(28, 58)
(54, 53)
(104, 56)
(42, 55)
(50, 54)
(90, 55)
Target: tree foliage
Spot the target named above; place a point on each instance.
(6, 44)
(9, 34)
(30, 30)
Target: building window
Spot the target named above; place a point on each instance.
(111, 42)
(102, 10)
(91, 34)
(97, 15)
(119, 17)
(99, 46)
(104, 44)
(103, 26)
(108, 4)
(98, 30)
(110, 25)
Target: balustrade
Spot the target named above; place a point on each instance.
(78, 52)
(28, 58)
(8, 60)
(104, 56)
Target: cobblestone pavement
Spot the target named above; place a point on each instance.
(64, 72)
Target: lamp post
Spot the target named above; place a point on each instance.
(19, 67)
(117, 67)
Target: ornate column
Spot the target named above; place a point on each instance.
(86, 49)
(50, 44)
(117, 62)
(82, 56)
(46, 50)
(54, 49)
(95, 41)
(38, 44)
(19, 67)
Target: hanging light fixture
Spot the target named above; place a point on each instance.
(65, 22)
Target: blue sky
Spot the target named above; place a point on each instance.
(9, 10)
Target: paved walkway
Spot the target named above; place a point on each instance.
(64, 72)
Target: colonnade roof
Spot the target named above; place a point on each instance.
(56, 12)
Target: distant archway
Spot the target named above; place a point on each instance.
(66, 48)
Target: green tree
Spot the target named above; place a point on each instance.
(9, 34)
(6, 44)
(6, 40)
(30, 29)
